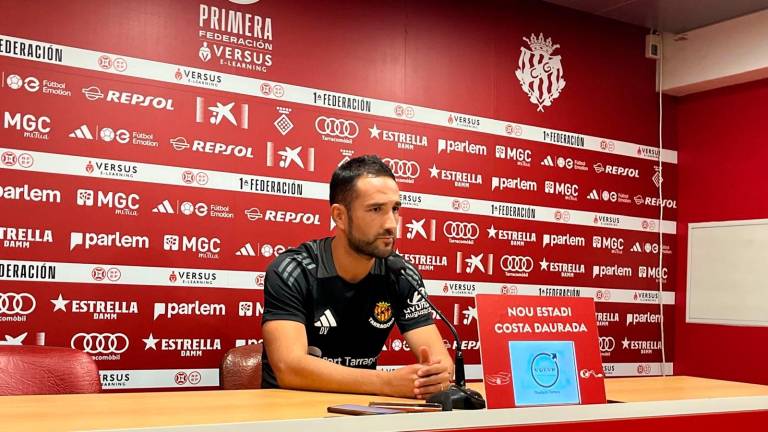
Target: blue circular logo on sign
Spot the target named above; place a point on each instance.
(545, 370)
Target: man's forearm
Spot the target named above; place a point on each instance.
(312, 373)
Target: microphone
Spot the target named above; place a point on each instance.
(314, 351)
(457, 396)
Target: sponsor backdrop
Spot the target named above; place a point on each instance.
(157, 155)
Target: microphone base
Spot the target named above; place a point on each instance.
(458, 398)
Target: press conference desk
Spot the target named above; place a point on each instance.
(284, 410)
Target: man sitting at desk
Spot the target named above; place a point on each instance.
(330, 304)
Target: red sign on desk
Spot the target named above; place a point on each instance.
(539, 351)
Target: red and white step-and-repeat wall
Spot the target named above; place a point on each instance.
(157, 155)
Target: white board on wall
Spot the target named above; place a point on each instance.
(728, 273)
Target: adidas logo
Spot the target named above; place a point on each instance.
(636, 247)
(246, 250)
(81, 133)
(593, 195)
(548, 161)
(164, 207)
(326, 322)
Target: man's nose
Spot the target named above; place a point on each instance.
(390, 222)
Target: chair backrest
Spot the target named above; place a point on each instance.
(29, 370)
(241, 368)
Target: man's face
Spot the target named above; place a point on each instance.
(373, 216)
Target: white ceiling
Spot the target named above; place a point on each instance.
(673, 16)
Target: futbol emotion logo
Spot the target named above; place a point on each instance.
(15, 82)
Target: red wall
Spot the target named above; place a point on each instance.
(722, 155)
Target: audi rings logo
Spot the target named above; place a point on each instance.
(516, 264)
(16, 304)
(100, 343)
(461, 230)
(402, 168)
(607, 344)
(336, 127)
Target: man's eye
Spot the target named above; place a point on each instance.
(375, 209)
(396, 209)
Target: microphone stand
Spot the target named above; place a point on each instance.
(457, 396)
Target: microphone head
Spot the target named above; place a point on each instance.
(314, 351)
(395, 263)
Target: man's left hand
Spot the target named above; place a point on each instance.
(434, 375)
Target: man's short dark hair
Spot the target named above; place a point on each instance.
(345, 176)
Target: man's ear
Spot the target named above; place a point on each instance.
(339, 216)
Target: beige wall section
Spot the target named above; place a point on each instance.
(726, 53)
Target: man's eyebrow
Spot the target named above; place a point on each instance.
(380, 204)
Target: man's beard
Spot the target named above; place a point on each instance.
(368, 248)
